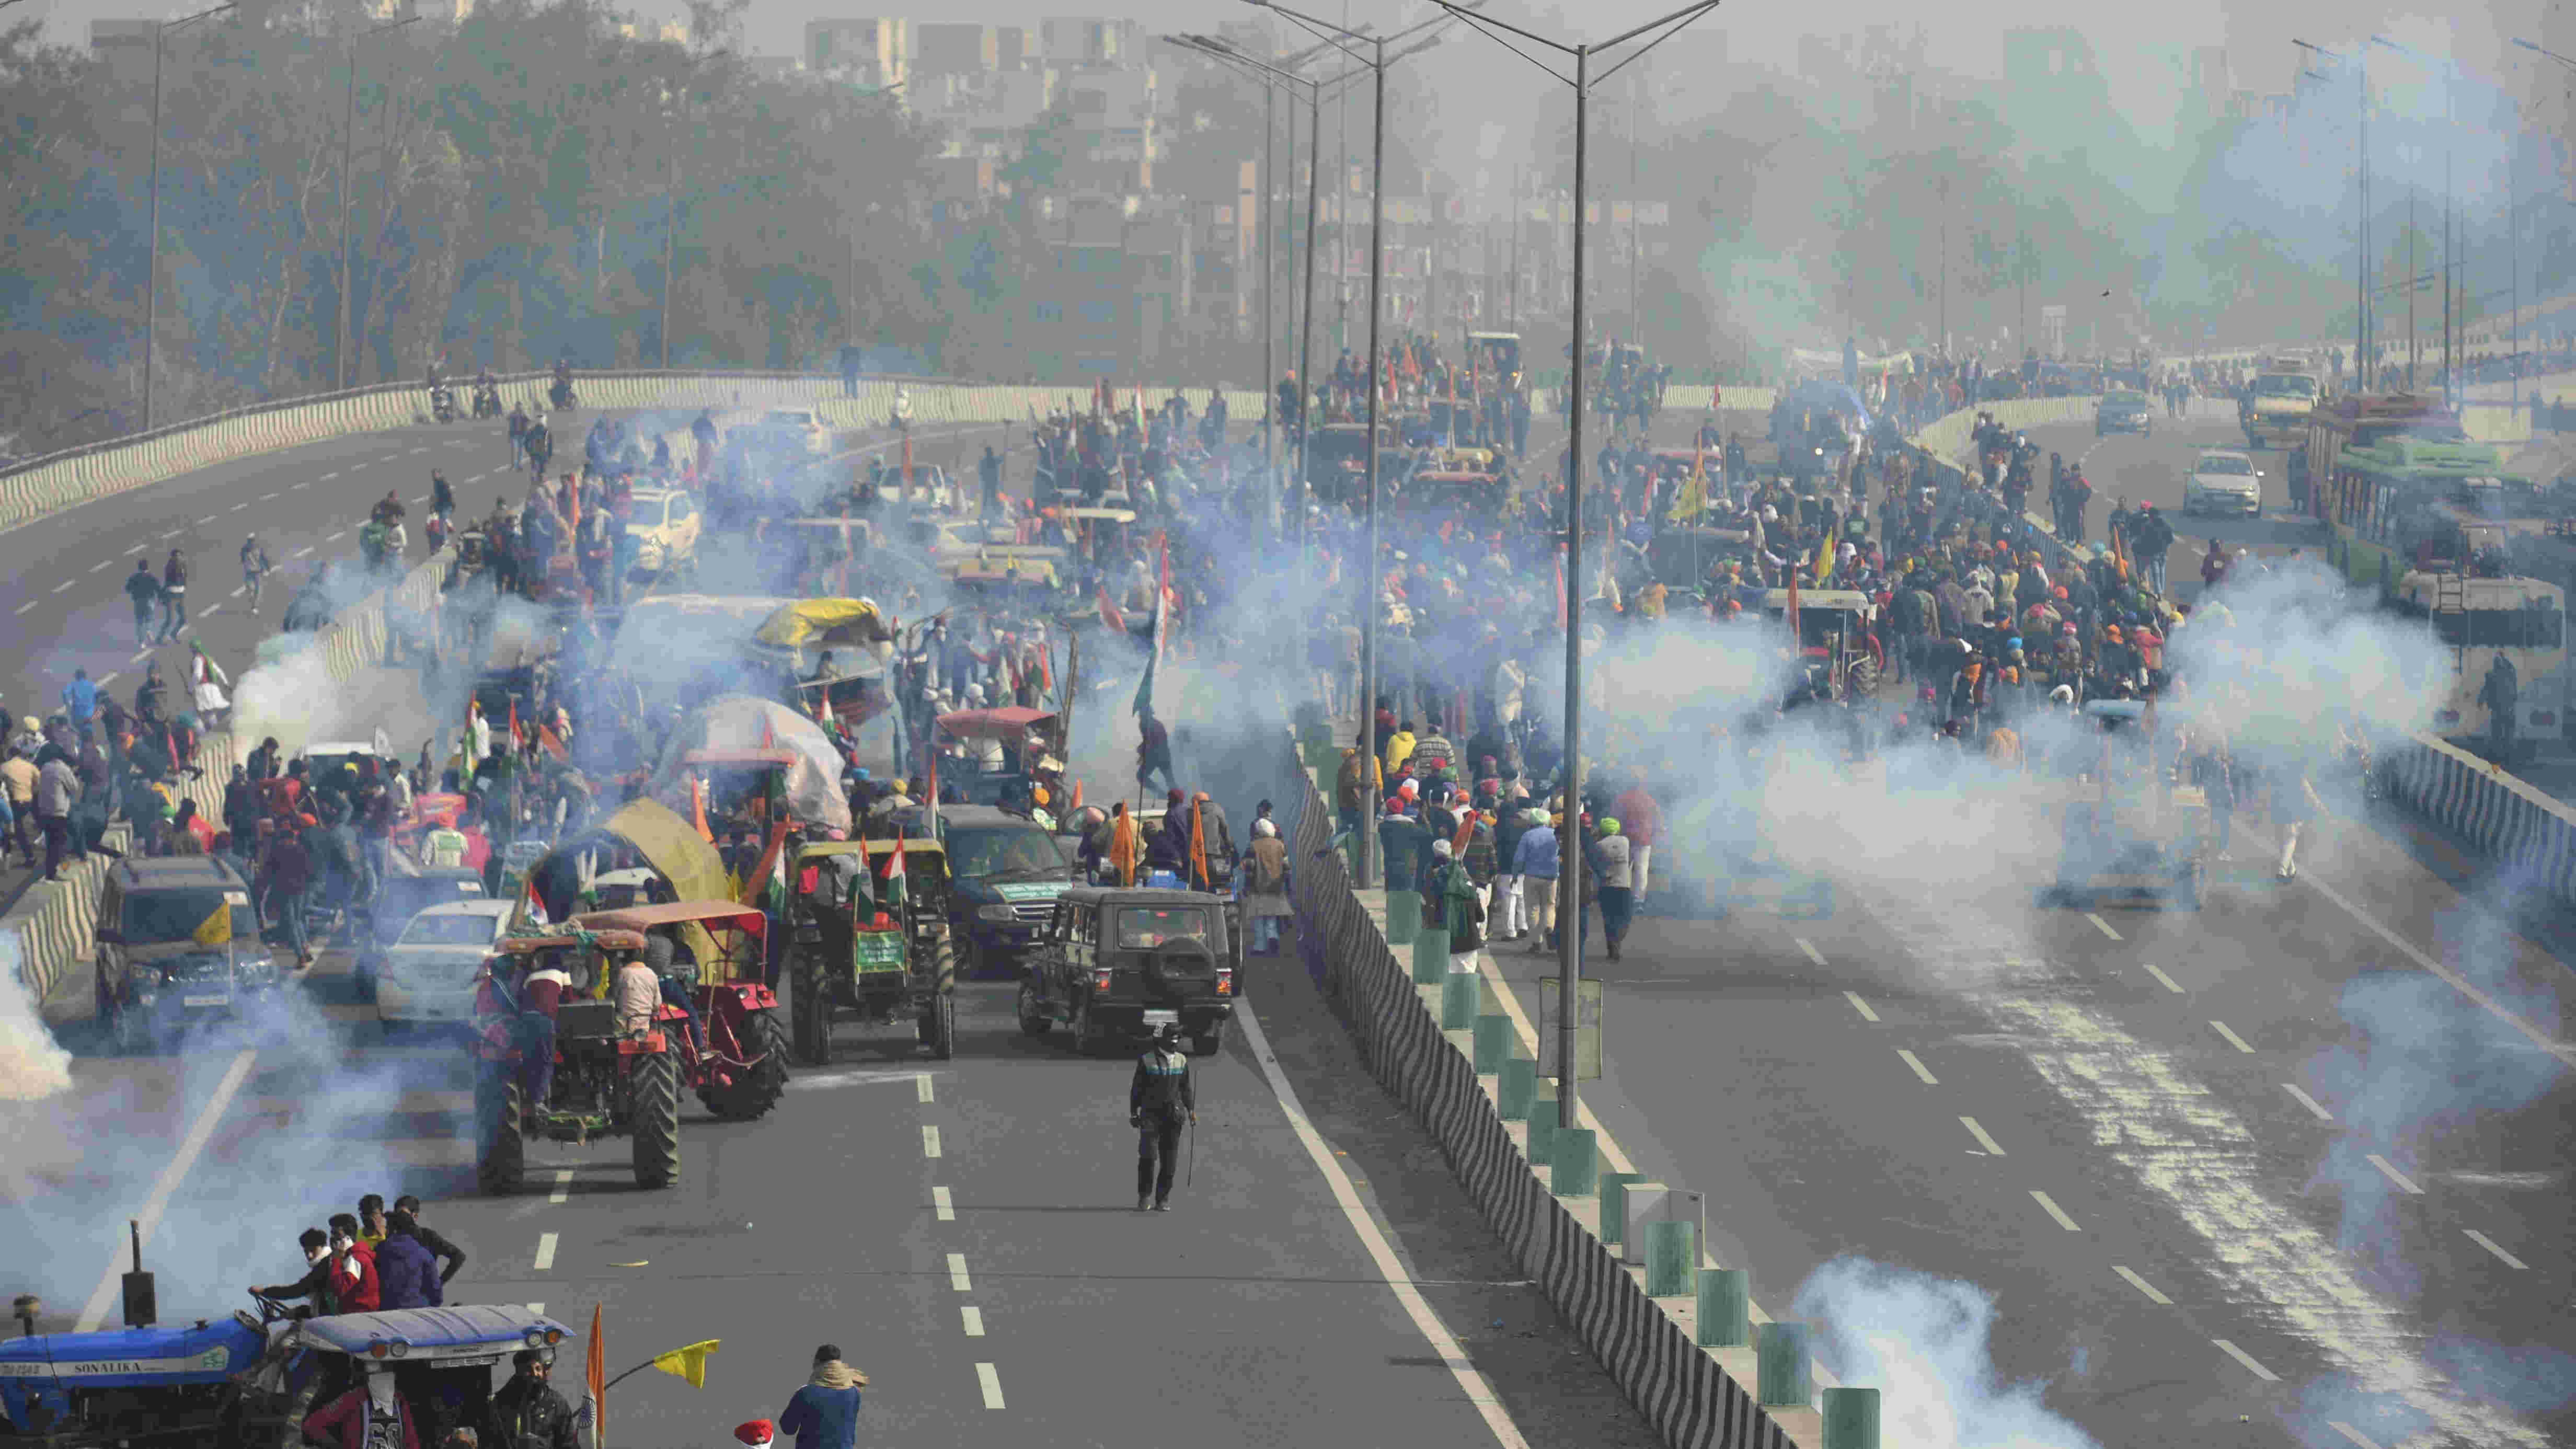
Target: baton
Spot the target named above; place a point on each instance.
(1192, 1179)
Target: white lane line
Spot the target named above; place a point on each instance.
(2247, 1359)
(102, 566)
(973, 1318)
(271, 497)
(2311, 1103)
(304, 552)
(2101, 925)
(479, 477)
(424, 498)
(237, 593)
(2167, 982)
(921, 1081)
(22, 608)
(199, 1132)
(2539, 1038)
(929, 1141)
(2059, 1213)
(109, 678)
(992, 1383)
(140, 655)
(335, 538)
(65, 584)
(944, 1205)
(1860, 1006)
(201, 613)
(307, 483)
(238, 507)
(2233, 1039)
(2143, 1286)
(563, 1186)
(173, 533)
(1398, 1278)
(1920, 1070)
(545, 1251)
(2510, 1261)
(327, 477)
(2355, 1437)
(1984, 1138)
(1814, 956)
(209, 518)
(2388, 1169)
(957, 1278)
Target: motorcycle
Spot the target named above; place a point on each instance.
(442, 403)
(487, 401)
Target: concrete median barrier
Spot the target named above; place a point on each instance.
(1497, 1131)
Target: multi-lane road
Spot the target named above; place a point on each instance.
(964, 1230)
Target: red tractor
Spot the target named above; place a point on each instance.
(738, 1066)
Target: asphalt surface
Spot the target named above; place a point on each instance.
(994, 1280)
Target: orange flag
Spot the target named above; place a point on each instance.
(698, 809)
(1198, 842)
(596, 1378)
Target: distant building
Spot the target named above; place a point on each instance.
(1092, 43)
(865, 52)
(1117, 289)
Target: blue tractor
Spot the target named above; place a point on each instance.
(250, 1382)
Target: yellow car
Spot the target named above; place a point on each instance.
(665, 525)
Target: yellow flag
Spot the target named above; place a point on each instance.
(1692, 499)
(1825, 560)
(688, 1363)
(217, 929)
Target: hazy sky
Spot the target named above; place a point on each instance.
(2257, 35)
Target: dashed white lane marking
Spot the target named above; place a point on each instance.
(957, 1278)
(929, 1141)
(943, 1205)
(199, 1133)
(1920, 1070)
(563, 1186)
(237, 593)
(109, 678)
(1860, 1006)
(201, 613)
(140, 656)
(271, 497)
(921, 1081)
(1984, 1138)
(2167, 982)
(545, 1251)
(22, 608)
(307, 483)
(173, 533)
(2563, 1051)
(65, 584)
(2247, 1359)
(335, 538)
(2143, 1286)
(2233, 1039)
(1471, 1380)
(2355, 1437)
(305, 552)
(2059, 1213)
(2510, 1261)
(973, 1319)
(102, 566)
(327, 477)
(209, 518)
(2311, 1103)
(238, 507)
(2388, 1169)
(992, 1383)
(2101, 925)
(1814, 956)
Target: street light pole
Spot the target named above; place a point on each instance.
(152, 267)
(1569, 895)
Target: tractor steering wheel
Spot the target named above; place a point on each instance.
(270, 1309)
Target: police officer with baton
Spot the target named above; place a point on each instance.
(1159, 1099)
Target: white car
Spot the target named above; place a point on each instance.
(427, 978)
(2223, 482)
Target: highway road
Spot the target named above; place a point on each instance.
(964, 1230)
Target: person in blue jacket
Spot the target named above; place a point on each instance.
(825, 1413)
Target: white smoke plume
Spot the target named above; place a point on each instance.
(1922, 1342)
(33, 1066)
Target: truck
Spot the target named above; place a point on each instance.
(2275, 409)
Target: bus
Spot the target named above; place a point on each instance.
(2347, 494)
(2492, 624)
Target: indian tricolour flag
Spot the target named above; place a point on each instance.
(895, 888)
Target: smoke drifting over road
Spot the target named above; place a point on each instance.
(1922, 1342)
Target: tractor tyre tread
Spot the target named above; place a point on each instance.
(656, 1128)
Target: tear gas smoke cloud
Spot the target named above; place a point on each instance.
(33, 1066)
(1922, 1341)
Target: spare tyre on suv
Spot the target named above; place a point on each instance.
(1114, 964)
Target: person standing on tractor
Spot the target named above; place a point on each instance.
(1160, 1101)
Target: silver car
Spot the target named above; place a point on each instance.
(427, 978)
(2223, 482)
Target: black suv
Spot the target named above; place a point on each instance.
(1004, 873)
(179, 946)
(1113, 964)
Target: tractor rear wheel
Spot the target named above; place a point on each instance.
(757, 1090)
(943, 1031)
(656, 1127)
(502, 1159)
(813, 1016)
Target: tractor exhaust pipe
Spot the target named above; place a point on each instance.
(140, 1309)
(24, 1308)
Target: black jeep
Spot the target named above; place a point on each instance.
(1113, 964)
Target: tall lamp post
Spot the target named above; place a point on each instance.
(2362, 331)
(348, 141)
(1376, 61)
(1569, 939)
(152, 267)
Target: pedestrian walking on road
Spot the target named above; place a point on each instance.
(145, 591)
(824, 1414)
(174, 596)
(1160, 1102)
